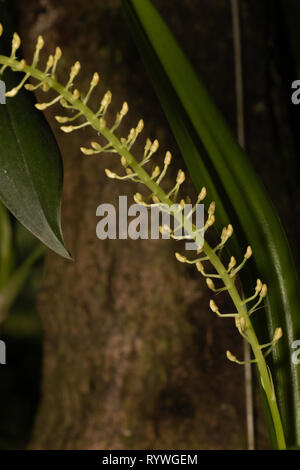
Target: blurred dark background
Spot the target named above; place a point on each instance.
(119, 370)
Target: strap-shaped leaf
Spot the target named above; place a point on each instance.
(214, 159)
(31, 173)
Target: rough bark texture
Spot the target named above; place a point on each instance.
(133, 358)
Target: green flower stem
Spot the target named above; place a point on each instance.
(228, 282)
(163, 198)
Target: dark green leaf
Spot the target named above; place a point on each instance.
(31, 172)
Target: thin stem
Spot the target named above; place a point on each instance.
(6, 251)
(163, 198)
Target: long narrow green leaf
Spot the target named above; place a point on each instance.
(214, 158)
(30, 163)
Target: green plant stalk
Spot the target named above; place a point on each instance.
(229, 283)
(6, 252)
(11, 289)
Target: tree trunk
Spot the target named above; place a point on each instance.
(133, 358)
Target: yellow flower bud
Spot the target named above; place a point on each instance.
(248, 253)
(58, 53)
(86, 151)
(212, 208)
(229, 231)
(154, 147)
(213, 306)
(180, 177)
(230, 356)
(240, 322)
(277, 335)
(180, 258)
(124, 109)
(11, 93)
(210, 283)
(168, 158)
(200, 267)
(67, 129)
(40, 42)
(106, 100)
(264, 290)
(232, 263)
(155, 172)
(140, 126)
(138, 198)
(16, 42)
(95, 79)
(61, 119)
(76, 94)
(95, 145)
(110, 174)
(202, 194)
(258, 285)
